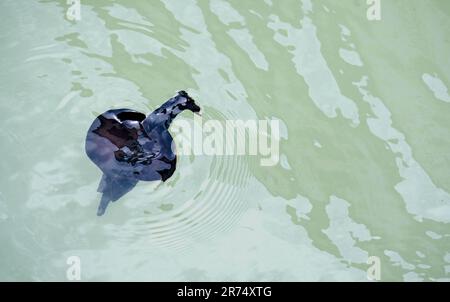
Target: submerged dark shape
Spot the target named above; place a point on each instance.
(129, 146)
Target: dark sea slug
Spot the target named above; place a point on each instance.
(129, 146)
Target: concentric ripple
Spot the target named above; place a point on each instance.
(211, 202)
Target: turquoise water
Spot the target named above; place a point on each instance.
(364, 152)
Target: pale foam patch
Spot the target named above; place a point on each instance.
(307, 6)
(245, 40)
(397, 260)
(447, 257)
(420, 194)
(227, 15)
(49, 182)
(422, 197)
(137, 43)
(412, 277)
(438, 87)
(3, 209)
(350, 56)
(284, 162)
(311, 65)
(208, 62)
(345, 31)
(420, 254)
(317, 144)
(344, 232)
(97, 40)
(433, 235)
(134, 42)
(127, 14)
(302, 206)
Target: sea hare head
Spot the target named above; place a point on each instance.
(186, 102)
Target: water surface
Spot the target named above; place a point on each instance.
(365, 151)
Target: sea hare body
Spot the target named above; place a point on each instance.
(129, 146)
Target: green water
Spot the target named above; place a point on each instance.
(365, 150)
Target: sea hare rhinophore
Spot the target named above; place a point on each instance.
(129, 146)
